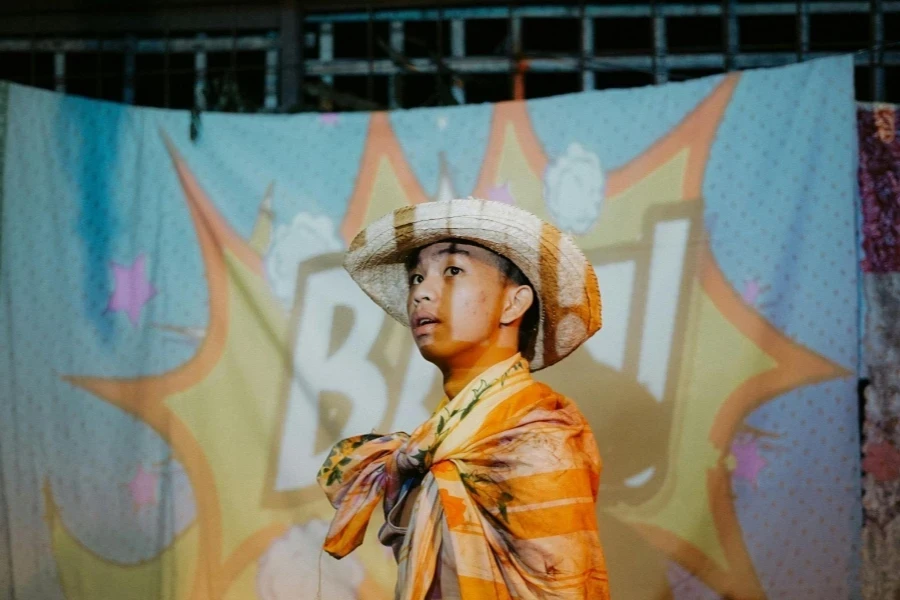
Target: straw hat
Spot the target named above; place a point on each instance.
(562, 277)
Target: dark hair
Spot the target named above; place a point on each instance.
(531, 318)
(511, 273)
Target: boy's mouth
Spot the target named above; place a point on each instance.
(423, 322)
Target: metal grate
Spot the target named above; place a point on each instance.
(405, 58)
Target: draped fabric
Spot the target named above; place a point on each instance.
(879, 185)
(507, 508)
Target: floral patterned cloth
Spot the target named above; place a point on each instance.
(879, 183)
(510, 473)
(879, 186)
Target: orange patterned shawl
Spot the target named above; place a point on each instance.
(511, 472)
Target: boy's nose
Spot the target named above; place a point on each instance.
(425, 291)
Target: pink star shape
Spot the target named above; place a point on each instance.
(132, 289)
(752, 291)
(143, 487)
(501, 193)
(749, 461)
(329, 119)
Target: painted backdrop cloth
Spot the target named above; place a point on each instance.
(879, 186)
(507, 507)
(176, 332)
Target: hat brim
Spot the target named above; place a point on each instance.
(562, 277)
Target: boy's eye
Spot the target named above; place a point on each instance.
(454, 270)
(414, 279)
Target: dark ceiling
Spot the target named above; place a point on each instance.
(93, 6)
(60, 17)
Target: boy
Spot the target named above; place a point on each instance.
(494, 496)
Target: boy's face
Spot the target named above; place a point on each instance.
(458, 300)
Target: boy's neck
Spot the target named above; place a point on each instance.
(463, 369)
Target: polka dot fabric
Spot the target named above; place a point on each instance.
(65, 222)
(780, 194)
(88, 186)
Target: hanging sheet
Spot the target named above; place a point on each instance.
(180, 346)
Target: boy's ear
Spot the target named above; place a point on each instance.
(518, 300)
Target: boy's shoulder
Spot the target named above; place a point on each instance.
(540, 408)
(543, 399)
(549, 396)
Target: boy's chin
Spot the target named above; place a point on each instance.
(442, 353)
(435, 353)
(429, 352)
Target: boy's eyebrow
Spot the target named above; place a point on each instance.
(453, 248)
